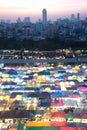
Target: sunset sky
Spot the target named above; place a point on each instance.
(12, 9)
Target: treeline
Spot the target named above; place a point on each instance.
(47, 44)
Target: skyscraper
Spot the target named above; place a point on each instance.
(18, 20)
(78, 16)
(44, 16)
(72, 18)
(26, 20)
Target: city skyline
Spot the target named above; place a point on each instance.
(55, 9)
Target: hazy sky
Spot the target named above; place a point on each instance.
(12, 9)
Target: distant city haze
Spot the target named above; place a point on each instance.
(12, 9)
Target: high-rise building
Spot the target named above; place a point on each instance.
(38, 26)
(18, 20)
(8, 21)
(44, 16)
(79, 23)
(2, 21)
(72, 18)
(78, 16)
(26, 20)
(85, 19)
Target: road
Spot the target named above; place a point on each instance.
(66, 60)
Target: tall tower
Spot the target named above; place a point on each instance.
(44, 16)
(78, 16)
(72, 18)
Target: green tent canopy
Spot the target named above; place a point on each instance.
(42, 128)
(21, 126)
(69, 117)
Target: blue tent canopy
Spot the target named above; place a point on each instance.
(12, 72)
